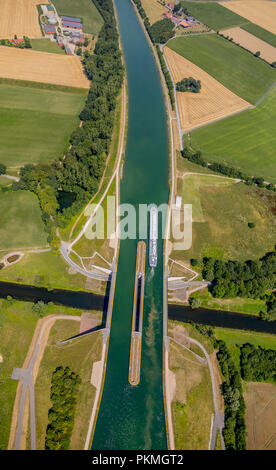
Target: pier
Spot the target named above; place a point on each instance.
(137, 318)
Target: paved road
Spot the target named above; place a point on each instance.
(27, 379)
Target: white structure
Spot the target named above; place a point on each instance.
(178, 202)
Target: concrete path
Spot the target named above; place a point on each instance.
(26, 376)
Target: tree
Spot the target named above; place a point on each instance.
(3, 169)
(257, 54)
(39, 308)
(194, 302)
(251, 225)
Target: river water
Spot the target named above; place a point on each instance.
(133, 417)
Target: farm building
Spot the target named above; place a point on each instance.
(71, 19)
(170, 6)
(50, 29)
(167, 15)
(52, 20)
(175, 20)
(68, 50)
(68, 24)
(184, 24)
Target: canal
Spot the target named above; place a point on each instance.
(133, 417)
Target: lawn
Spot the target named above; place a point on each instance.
(214, 15)
(79, 356)
(192, 407)
(21, 223)
(246, 141)
(83, 9)
(46, 45)
(42, 121)
(233, 337)
(17, 325)
(222, 230)
(260, 33)
(237, 69)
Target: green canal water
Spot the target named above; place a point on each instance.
(133, 417)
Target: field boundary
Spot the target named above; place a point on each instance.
(42, 85)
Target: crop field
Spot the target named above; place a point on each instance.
(214, 15)
(83, 9)
(260, 400)
(42, 121)
(37, 66)
(221, 212)
(260, 33)
(237, 69)
(19, 17)
(246, 141)
(46, 45)
(21, 223)
(214, 100)
(252, 43)
(154, 10)
(263, 13)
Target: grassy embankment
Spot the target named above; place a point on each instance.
(192, 406)
(17, 325)
(83, 9)
(79, 356)
(42, 121)
(237, 69)
(245, 141)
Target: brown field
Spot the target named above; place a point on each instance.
(25, 64)
(214, 100)
(154, 10)
(253, 44)
(260, 399)
(260, 12)
(20, 17)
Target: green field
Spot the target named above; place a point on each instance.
(246, 141)
(46, 45)
(21, 223)
(214, 15)
(260, 33)
(83, 9)
(17, 325)
(233, 337)
(221, 216)
(236, 68)
(42, 121)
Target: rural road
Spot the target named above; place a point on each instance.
(26, 376)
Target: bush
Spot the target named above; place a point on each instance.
(189, 84)
(3, 169)
(194, 302)
(251, 225)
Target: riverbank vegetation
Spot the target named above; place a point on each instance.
(18, 320)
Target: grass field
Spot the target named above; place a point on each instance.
(249, 77)
(214, 15)
(192, 406)
(260, 33)
(234, 337)
(42, 121)
(79, 356)
(246, 141)
(17, 325)
(46, 45)
(83, 9)
(21, 223)
(221, 213)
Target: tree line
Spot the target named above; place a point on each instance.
(251, 278)
(81, 170)
(195, 156)
(257, 364)
(64, 392)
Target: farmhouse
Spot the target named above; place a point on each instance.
(170, 6)
(71, 19)
(50, 29)
(68, 24)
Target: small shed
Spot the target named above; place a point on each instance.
(178, 202)
(50, 29)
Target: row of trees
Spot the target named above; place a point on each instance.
(257, 364)
(251, 278)
(189, 84)
(195, 156)
(82, 168)
(64, 391)
(166, 74)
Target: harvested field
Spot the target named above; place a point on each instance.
(154, 10)
(253, 44)
(263, 13)
(260, 399)
(25, 64)
(20, 17)
(214, 100)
